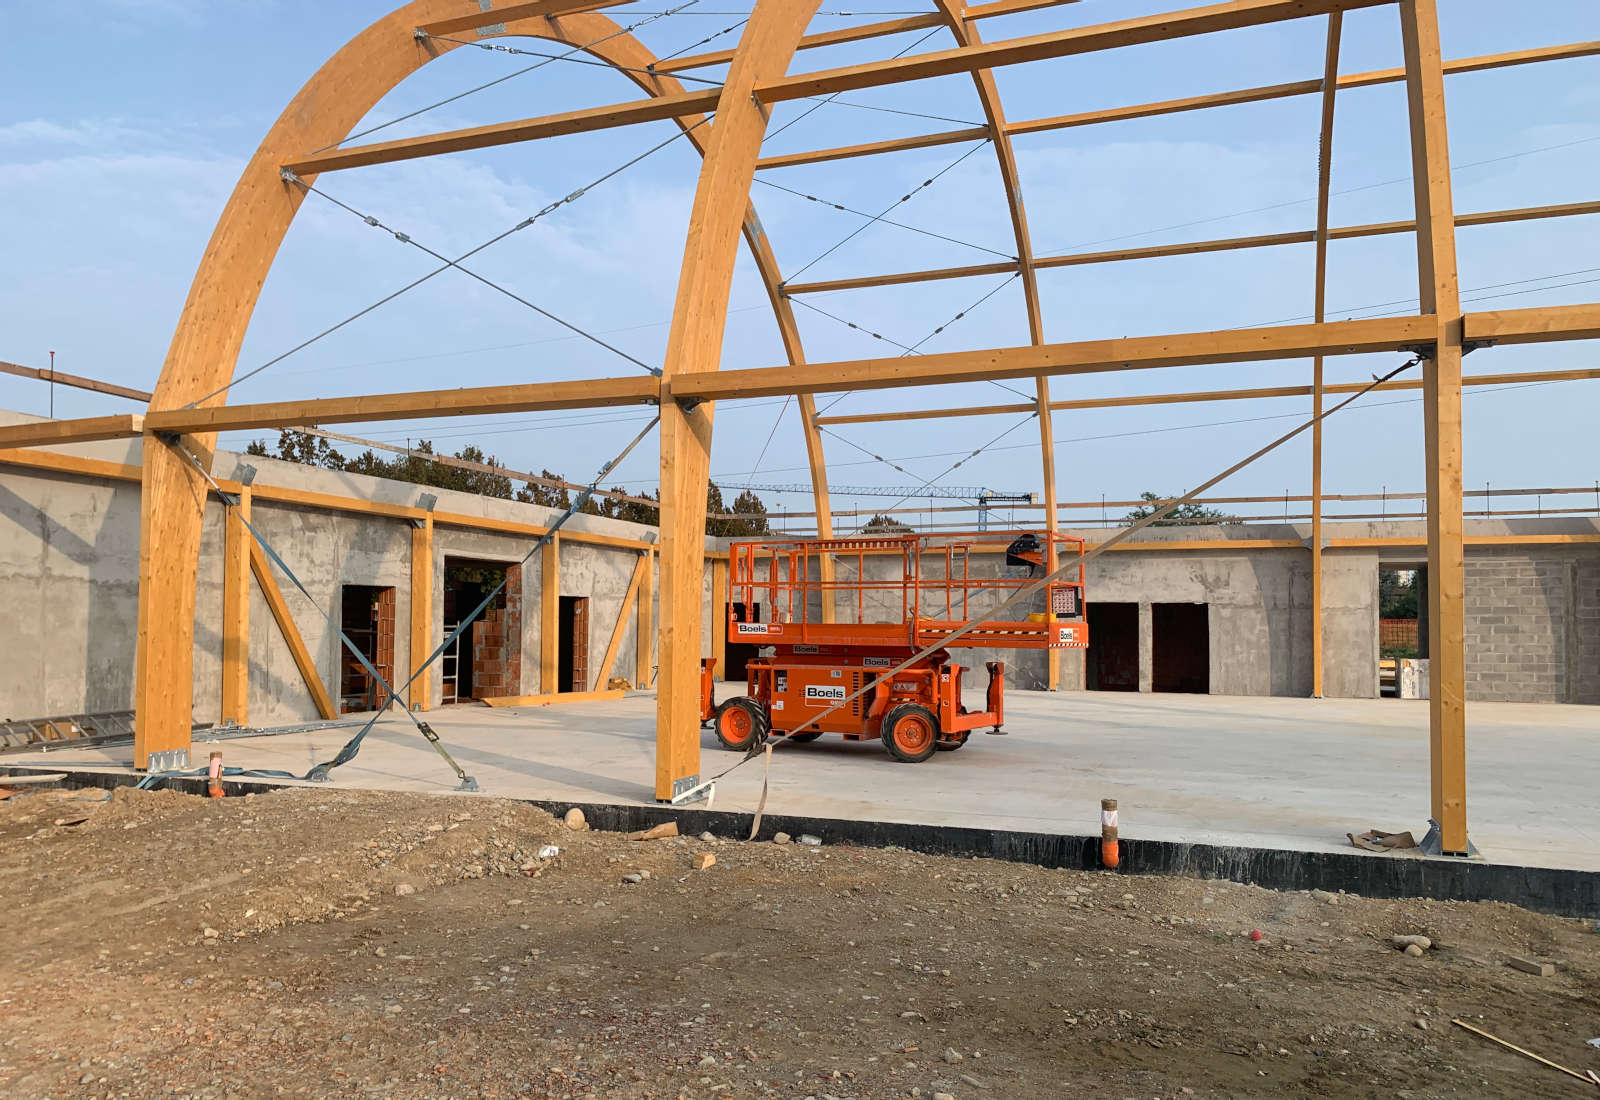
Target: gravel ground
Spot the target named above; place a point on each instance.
(347, 943)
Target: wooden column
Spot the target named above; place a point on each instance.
(236, 612)
(550, 616)
(421, 693)
(1330, 87)
(1441, 401)
(695, 345)
(719, 616)
(645, 635)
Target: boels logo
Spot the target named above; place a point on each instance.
(824, 694)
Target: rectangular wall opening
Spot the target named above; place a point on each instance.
(1112, 663)
(573, 671)
(366, 615)
(1402, 622)
(1181, 648)
(486, 660)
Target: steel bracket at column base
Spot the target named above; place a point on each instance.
(681, 787)
(1433, 844)
(168, 761)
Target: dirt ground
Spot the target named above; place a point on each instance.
(340, 943)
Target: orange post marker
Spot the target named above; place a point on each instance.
(1109, 855)
(214, 776)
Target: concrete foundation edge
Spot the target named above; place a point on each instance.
(1556, 891)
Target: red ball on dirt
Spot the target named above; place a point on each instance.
(1255, 935)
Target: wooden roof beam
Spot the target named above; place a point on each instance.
(1082, 357)
(1536, 325)
(655, 109)
(1513, 378)
(538, 9)
(1215, 99)
(1041, 47)
(869, 30)
(74, 380)
(872, 148)
(87, 430)
(593, 393)
(1192, 248)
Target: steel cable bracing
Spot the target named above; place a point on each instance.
(886, 221)
(570, 56)
(620, 31)
(448, 264)
(406, 238)
(875, 218)
(729, 29)
(819, 104)
(958, 463)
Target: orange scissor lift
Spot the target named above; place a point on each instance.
(880, 620)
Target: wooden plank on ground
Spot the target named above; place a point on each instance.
(545, 699)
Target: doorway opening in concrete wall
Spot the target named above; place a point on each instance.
(486, 661)
(1180, 648)
(1112, 663)
(573, 673)
(1402, 621)
(366, 615)
(731, 661)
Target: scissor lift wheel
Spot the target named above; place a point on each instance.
(741, 722)
(910, 733)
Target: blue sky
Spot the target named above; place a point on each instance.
(118, 150)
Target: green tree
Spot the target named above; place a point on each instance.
(1185, 515)
(884, 525)
(748, 515)
(301, 447)
(1397, 594)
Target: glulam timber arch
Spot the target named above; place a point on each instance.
(205, 347)
(212, 327)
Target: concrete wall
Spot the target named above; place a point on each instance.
(69, 566)
(69, 573)
(1533, 625)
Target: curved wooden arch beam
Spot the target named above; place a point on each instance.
(694, 347)
(222, 298)
(965, 30)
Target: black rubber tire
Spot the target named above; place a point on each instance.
(952, 746)
(906, 748)
(806, 737)
(741, 715)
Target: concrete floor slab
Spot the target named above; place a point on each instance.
(1259, 772)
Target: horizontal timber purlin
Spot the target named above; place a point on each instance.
(87, 430)
(1512, 378)
(656, 109)
(1084, 357)
(1194, 248)
(596, 393)
(1106, 36)
(77, 381)
(1536, 325)
(512, 12)
(872, 148)
(866, 31)
(1218, 99)
(1043, 47)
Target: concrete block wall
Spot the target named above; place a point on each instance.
(1533, 625)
